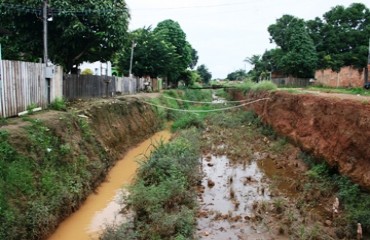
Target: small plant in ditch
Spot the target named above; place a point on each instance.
(58, 104)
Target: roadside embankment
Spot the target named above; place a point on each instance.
(331, 128)
(50, 162)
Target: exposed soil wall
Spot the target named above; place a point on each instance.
(75, 151)
(337, 130)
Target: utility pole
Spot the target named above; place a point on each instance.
(45, 21)
(367, 70)
(131, 58)
(368, 63)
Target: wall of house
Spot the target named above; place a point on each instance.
(98, 68)
(346, 77)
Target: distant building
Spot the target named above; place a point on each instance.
(98, 68)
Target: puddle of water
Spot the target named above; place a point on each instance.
(102, 208)
(229, 203)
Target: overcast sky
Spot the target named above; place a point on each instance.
(225, 32)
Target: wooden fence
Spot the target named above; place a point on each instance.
(126, 85)
(22, 84)
(88, 86)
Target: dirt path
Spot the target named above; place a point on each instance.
(336, 95)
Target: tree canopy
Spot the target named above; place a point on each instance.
(80, 30)
(204, 73)
(298, 53)
(163, 51)
(151, 54)
(341, 36)
(237, 75)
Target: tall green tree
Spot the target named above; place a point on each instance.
(151, 54)
(299, 56)
(237, 75)
(170, 32)
(80, 30)
(204, 73)
(341, 36)
(194, 58)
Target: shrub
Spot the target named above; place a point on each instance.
(264, 86)
(249, 86)
(187, 120)
(58, 104)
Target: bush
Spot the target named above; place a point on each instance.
(188, 120)
(264, 86)
(249, 86)
(58, 104)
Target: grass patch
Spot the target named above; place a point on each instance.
(174, 100)
(353, 91)
(59, 104)
(187, 121)
(249, 86)
(162, 195)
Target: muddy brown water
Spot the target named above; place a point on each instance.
(228, 204)
(103, 207)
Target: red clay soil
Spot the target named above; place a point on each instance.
(332, 128)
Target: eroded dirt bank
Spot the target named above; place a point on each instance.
(335, 129)
(65, 155)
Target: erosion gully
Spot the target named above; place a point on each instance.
(252, 189)
(103, 207)
(248, 191)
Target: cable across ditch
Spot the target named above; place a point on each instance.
(209, 110)
(190, 101)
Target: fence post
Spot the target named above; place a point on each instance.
(107, 81)
(2, 113)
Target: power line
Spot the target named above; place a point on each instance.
(193, 7)
(56, 11)
(190, 101)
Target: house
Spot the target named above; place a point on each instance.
(98, 68)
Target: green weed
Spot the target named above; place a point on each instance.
(3, 121)
(58, 104)
(353, 91)
(327, 180)
(30, 108)
(249, 86)
(188, 120)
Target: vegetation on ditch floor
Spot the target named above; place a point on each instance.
(354, 201)
(162, 196)
(174, 99)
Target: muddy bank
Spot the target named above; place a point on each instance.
(61, 157)
(335, 129)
